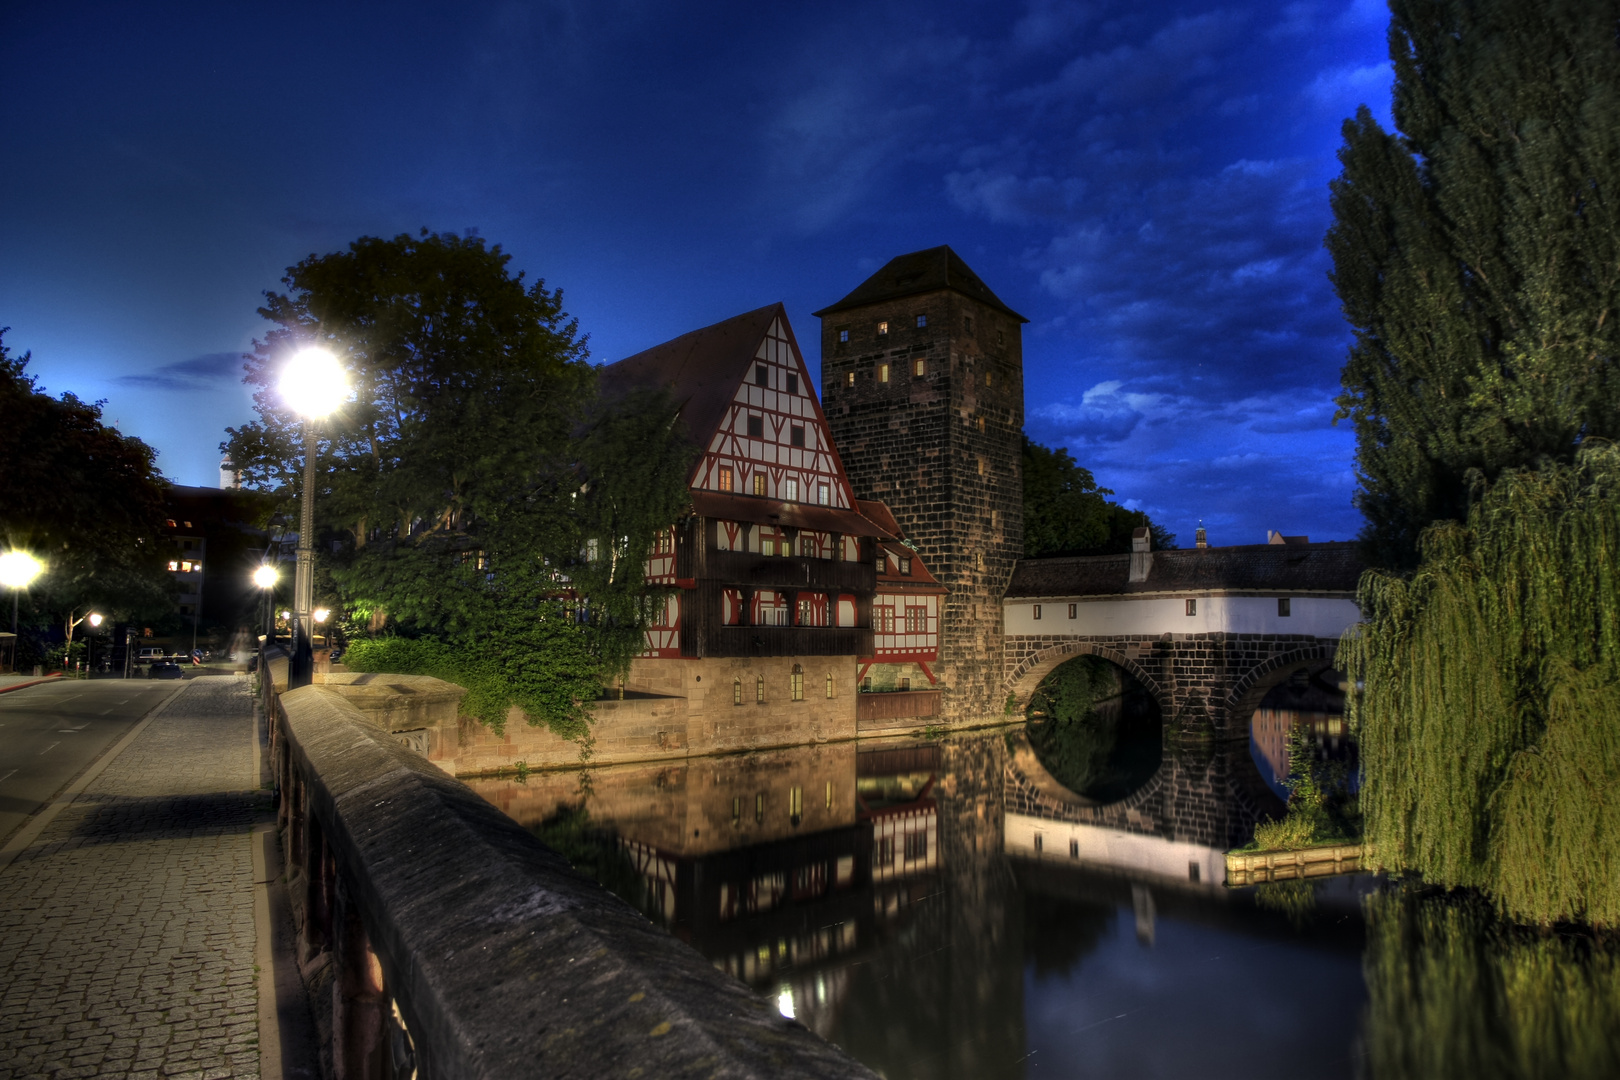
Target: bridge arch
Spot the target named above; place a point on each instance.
(1029, 673)
(1255, 683)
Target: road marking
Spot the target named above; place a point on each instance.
(104, 712)
(8, 776)
(49, 748)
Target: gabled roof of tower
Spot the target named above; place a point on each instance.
(702, 367)
(918, 273)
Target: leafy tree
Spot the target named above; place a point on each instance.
(465, 480)
(1477, 254)
(1066, 513)
(83, 498)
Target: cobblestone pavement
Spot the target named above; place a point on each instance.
(126, 928)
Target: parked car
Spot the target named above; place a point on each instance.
(165, 669)
(148, 655)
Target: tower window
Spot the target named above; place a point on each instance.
(1001, 338)
(883, 373)
(756, 427)
(883, 329)
(796, 435)
(922, 321)
(849, 379)
(762, 375)
(725, 478)
(920, 367)
(759, 697)
(759, 483)
(793, 384)
(796, 683)
(1192, 607)
(989, 378)
(843, 337)
(829, 697)
(736, 699)
(1284, 607)
(967, 324)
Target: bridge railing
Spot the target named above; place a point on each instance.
(441, 938)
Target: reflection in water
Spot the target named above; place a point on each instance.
(1305, 700)
(1100, 748)
(895, 900)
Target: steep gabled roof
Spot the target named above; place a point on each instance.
(1316, 568)
(918, 273)
(702, 368)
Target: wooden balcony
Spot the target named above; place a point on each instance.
(777, 572)
(905, 705)
(779, 641)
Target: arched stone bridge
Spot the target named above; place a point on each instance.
(1206, 631)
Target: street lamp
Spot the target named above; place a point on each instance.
(312, 384)
(95, 620)
(18, 569)
(265, 578)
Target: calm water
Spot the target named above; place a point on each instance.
(908, 901)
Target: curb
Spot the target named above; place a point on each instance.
(25, 685)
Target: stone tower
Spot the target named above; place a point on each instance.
(922, 383)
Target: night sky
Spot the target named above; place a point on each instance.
(1145, 181)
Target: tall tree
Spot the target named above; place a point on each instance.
(1477, 254)
(83, 498)
(1067, 513)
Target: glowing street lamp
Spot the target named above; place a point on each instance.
(265, 577)
(18, 569)
(312, 385)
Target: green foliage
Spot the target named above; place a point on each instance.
(1489, 725)
(472, 469)
(1097, 735)
(82, 498)
(1321, 807)
(1477, 254)
(1454, 993)
(1294, 899)
(1066, 513)
(593, 851)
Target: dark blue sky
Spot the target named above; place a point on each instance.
(1146, 181)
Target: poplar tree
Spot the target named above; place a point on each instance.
(1477, 254)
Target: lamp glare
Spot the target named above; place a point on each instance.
(265, 577)
(313, 384)
(18, 569)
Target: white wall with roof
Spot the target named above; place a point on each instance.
(1316, 616)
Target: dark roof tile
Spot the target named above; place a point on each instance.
(918, 273)
(1324, 567)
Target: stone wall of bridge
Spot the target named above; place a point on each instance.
(1207, 685)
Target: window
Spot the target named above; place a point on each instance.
(736, 808)
(1284, 607)
(883, 373)
(1001, 338)
(883, 329)
(759, 695)
(796, 680)
(807, 617)
(905, 566)
(904, 683)
(1192, 607)
(759, 800)
(920, 368)
(736, 699)
(1074, 849)
(725, 478)
(981, 431)
(916, 620)
(967, 324)
(1039, 841)
(762, 375)
(767, 546)
(790, 491)
(922, 321)
(843, 336)
(796, 435)
(1072, 608)
(759, 483)
(884, 855)
(174, 564)
(793, 384)
(808, 547)
(756, 427)
(829, 698)
(916, 846)
(989, 378)
(1037, 611)
(796, 805)
(821, 494)
(883, 619)
(829, 783)
(849, 378)
(866, 685)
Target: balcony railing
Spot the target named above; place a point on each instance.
(783, 641)
(776, 572)
(897, 705)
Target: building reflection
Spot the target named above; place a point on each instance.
(1316, 703)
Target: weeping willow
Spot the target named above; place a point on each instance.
(1489, 720)
(1453, 992)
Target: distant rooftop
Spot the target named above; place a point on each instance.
(918, 273)
(1332, 567)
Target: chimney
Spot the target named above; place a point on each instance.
(1141, 555)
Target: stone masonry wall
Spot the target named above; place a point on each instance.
(943, 451)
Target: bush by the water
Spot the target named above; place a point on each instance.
(1489, 724)
(1322, 808)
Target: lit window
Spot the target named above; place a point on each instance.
(981, 429)
(1192, 607)
(922, 321)
(759, 697)
(736, 699)
(174, 565)
(796, 435)
(905, 566)
(883, 328)
(796, 685)
(759, 800)
(790, 491)
(989, 378)
(920, 368)
(725, 479)
(883, 373)
(796, 804)
(822, 494)
(829, 695)
(1038, 611)
(843, 336)
(759, 483)
(767, 546)
(762, 375)
(1072, 608)
(1284, 607)
(756, 427)
(849, 378)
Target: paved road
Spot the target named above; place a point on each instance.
(50, 732)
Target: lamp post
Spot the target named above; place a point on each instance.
(312, 383)
(18, 569)
(95, 620)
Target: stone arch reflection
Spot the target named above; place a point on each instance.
(1096, 729)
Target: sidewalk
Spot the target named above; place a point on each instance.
(127, 928)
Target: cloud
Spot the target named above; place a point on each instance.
(199, 373)
(1343, 88)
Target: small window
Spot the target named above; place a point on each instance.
(759, 692)
(767, 546)
(759, 483)
(989, 378)
(1192, 607)
(905, 566)
(922, 321)
(1194, 872)
(883, 329)
(736, 805)
(843, 336)
(725, 478)
(822, 494)
(790, 491)
(967, 324)
(916, 846)
(883, 373)
(796, 436)
(1074, 849)
(829, 697)
(756, 427)
(981, 431)
(1284, 607)
(1001, 338)
(1039, 841)
(905, 682)
(849, 378)
(793, 384)
(866, 684)
(759, 800)
(762, 375)
(796, 683)
(1038, 611)
(736, 699)
(795, 805)
(1072, 608)
(920, 368)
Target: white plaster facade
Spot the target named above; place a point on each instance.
(1316, 616)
